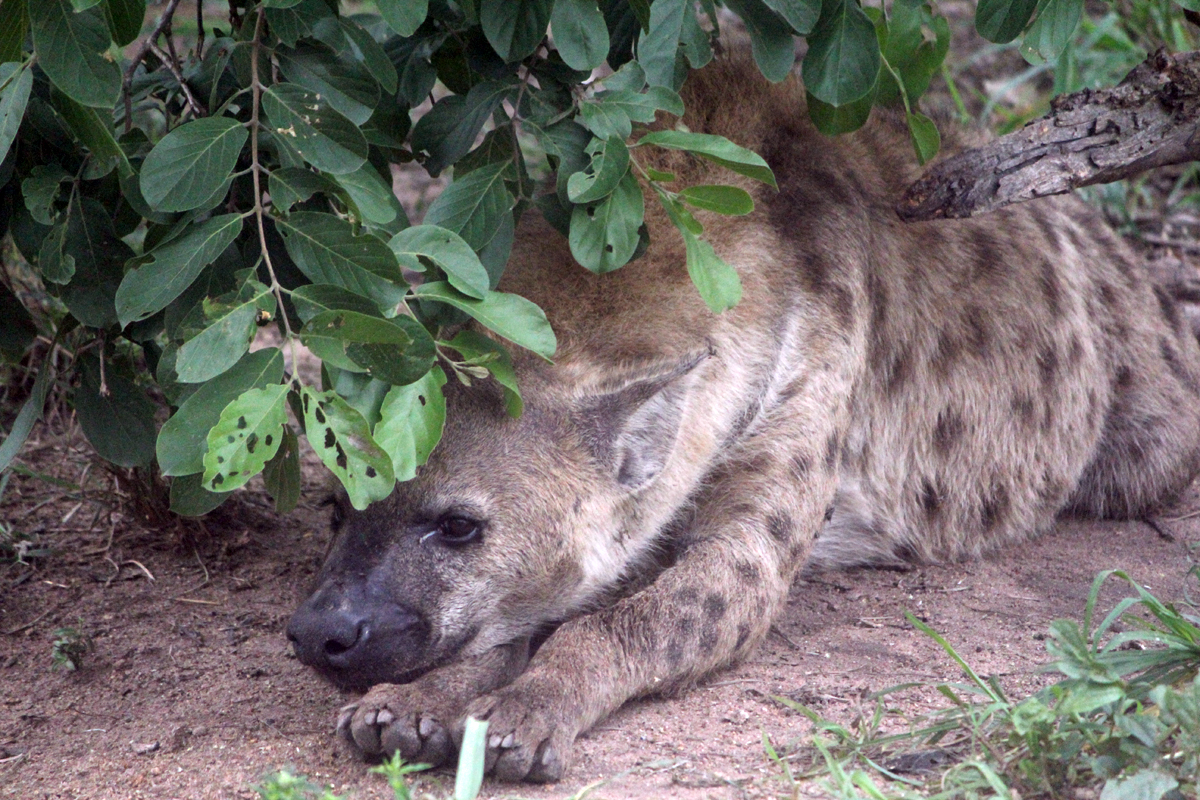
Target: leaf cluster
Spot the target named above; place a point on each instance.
(175, 198)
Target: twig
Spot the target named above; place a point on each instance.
(164, 22)
(31, 622)
(1162, 241)
(196, 602)
(200, 28)
(173, 68)
(140, 566)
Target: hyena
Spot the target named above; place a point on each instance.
(884, 393)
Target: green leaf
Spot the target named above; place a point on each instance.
(191, 163)
(609, 164)
(182, 441)
(14, 26)
(403, 16)
(479, 350)
(514, 27)
(509, 315)
(118, 418)
(352, 42)
(471, 760)
(411, 421)
(447, 132)
(834, 120)
(397, 351)
(54, 262)
(94, 129)
(344, 85)
(362, 392)
(72, 48)
(315, 298)
(718, 283)
(717, 149)
(579, 33)
(802, 15)
(1052, 28)
(446, 249)
(604, 235)
(189, 498)
(925, 137)
(125, 19)
(40, 190)
(722, 199)
(247, 435)
(281, 475)
(1147, 783)
(1002, 21)
(229, 327)
(342, 440)
(611, 113)
(99, 259)
(173, 267)
(12, 102)
(18, 330)
(371, 197)
(292, 185)
(325, 138)
(658, 49)
(326, 250)
(30, 412)
(843, 61)
(293, 21)
(474, 205)
(770, 38)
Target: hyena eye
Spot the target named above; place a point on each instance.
(457, 531)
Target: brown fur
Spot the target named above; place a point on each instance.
(947, 388)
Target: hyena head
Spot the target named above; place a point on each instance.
(513, 525)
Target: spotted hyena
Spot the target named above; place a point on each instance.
(883, 393)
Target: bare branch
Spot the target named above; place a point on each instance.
(173, 68)
(1150, 119)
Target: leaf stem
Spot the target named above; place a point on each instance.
(164, 22)
(255, 170)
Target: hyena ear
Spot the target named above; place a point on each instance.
(631, 427)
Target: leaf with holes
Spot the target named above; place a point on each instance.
(191, 163)
(190, 499)
(325, 138)
(604, 235)
(40, 190)
(345, 85)
(397, 351)
(245, 438)
(374, 200)
(411, 421)
(182, 439)
(609, 164)
(341, 439)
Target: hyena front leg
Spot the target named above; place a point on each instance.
(752, 529)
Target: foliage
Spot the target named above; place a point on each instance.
(173, 203)
(1125, 717)
(69, 647)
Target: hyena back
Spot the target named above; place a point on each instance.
(883, 393)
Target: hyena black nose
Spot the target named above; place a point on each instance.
(354, 641)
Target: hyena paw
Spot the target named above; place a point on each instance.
(392, 718)
(529, 737)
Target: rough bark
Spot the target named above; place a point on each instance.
(1150, 119)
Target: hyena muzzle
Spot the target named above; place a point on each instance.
(884, 393)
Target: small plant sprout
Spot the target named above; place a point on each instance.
(69, 648)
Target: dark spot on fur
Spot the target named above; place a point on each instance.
(1108, 295)
(988, 260)
(906, 552)
(1047, 362)
(1051, 289)
(1022, 406)
(829, 512)
(1075, 354)
(1042, 220)
(792, 389)
(1124, 378)
(1093, 406)
(979, 338)
(714, 607)
(743, 631)
(748, 573)
(899, 371)
(800, 464)
(949, 429)
(949, 348)
(842, 303)
(995, 508)
(931, 500)
(831, 451)
(708, 639)
(1047, 416)
(686, 597)
(780, 526)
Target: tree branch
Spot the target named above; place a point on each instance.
(1150, 119)
(164, 22)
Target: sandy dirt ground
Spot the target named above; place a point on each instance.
(191, 691)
